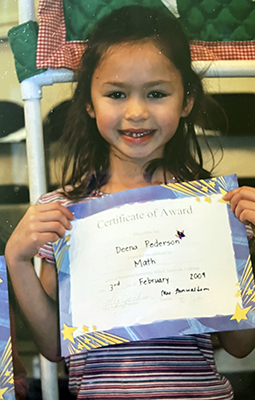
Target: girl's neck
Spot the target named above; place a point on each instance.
(130, 175)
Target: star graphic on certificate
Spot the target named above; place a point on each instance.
(240, 313)
(2, 391)
(68, 332)
(67, 238)
(223, 191)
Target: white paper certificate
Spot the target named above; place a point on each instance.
(159, 266)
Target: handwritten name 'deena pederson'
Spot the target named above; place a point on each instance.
(155, 213)
(148, 244)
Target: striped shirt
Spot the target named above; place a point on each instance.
(180, 367)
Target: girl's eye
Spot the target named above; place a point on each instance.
(116, 95)
(155, 94)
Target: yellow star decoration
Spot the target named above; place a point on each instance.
(198, 199)
(2, 391)
(223, 201)
(238, 294)
(85, 328)
(67, 238)
(7, 373)
(249, 291)
(68, 332)
(94, 328)
(1, 280)
(240, 313)
(208, 200)
(223, 191)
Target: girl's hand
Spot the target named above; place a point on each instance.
(242, 202)
(41, 224)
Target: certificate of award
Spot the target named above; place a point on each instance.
(154, 262)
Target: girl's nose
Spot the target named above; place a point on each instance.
(136, 110)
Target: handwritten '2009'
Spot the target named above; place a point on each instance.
(197, 275)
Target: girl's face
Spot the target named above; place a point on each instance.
(137, 101)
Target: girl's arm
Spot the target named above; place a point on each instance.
(242, 202)
(238, 343)
(38, 299)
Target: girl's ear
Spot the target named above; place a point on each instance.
(189, 103)
(90, 110)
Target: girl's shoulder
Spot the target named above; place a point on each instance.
(59, 195)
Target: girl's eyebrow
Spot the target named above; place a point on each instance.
(119, 84)
(147, 84)
(158, 83)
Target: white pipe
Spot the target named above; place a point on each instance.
(35, 153)
(31, 95)
(49, 379)
(26, 11)
(226, 69)
(32, 87)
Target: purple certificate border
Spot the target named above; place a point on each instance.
(245, 317)
(6, 366)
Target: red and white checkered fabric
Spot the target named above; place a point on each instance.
(53, 51)
(212, 51)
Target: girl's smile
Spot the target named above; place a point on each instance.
(137, 135)
(137, 101)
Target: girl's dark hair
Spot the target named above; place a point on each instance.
(86, 165)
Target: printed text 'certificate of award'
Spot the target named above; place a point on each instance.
(154, 262)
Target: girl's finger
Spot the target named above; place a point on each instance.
(230, 194)
(41, 224)
(39, 239)
(39, 218)
(44, 208)
(38, 215)
(236, 195)
(51, 227)
(247, 217)
(245, 211)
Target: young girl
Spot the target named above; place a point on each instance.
(131, 125)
